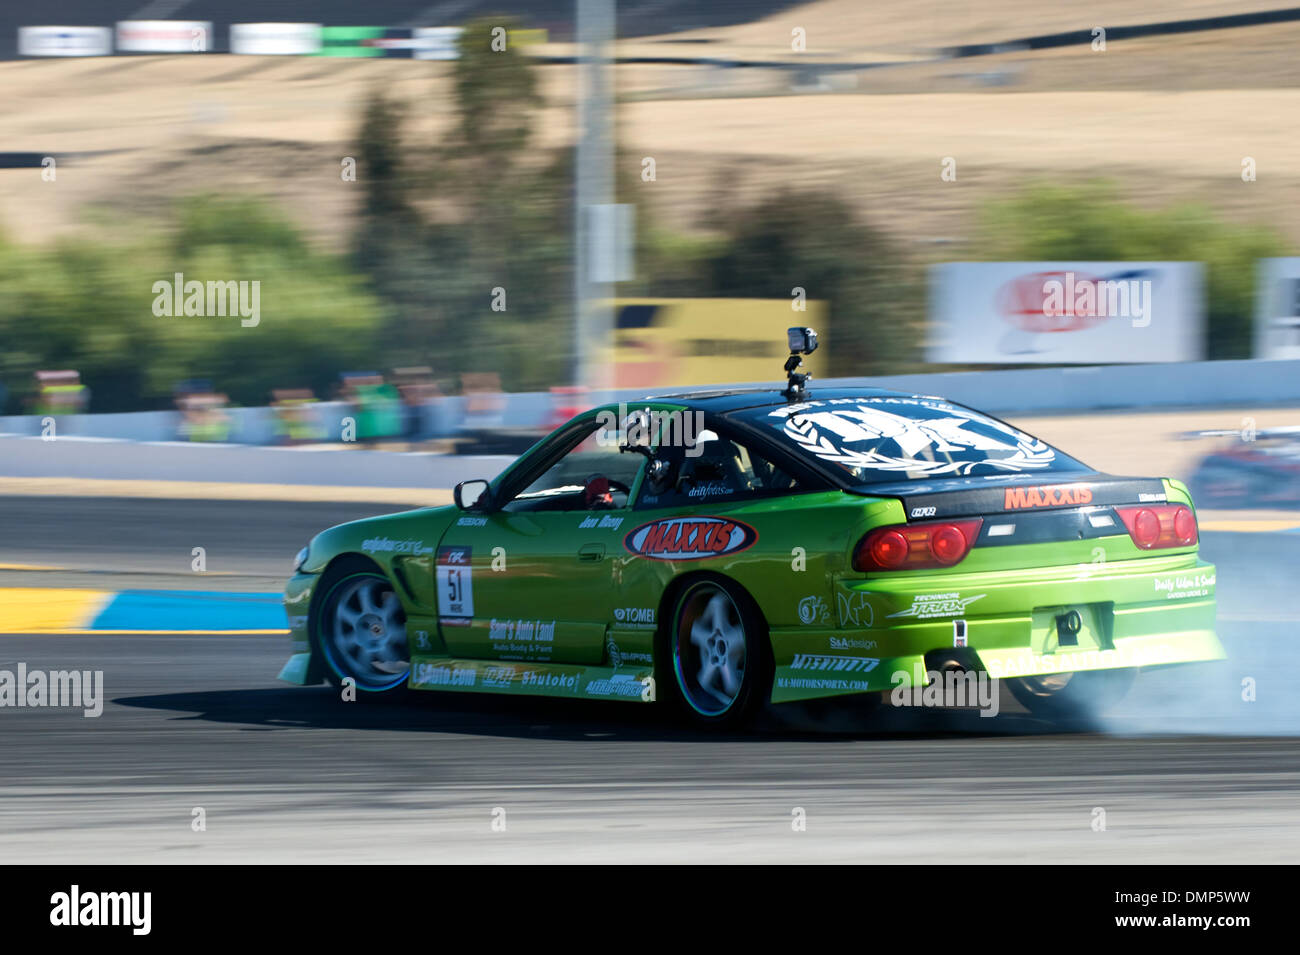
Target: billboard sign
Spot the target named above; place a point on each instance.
(275, 39)
(65, 41)
(673, 343)
(164, 36)
(1277, 309)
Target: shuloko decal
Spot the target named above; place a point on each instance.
(915, 435)
(690, 538)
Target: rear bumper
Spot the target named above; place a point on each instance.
(1150, 613)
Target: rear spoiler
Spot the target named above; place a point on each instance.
(1023, 497)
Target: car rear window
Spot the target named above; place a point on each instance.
(888, 439)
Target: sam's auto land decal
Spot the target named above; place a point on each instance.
(522, 639)
(929, 606)
(455, 579)
(690, 538)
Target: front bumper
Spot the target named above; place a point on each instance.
(301, 669)
(1153, 612)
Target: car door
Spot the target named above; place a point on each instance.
(532, 579)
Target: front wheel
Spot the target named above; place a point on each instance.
(361, 631)
(719, 654)
(1062, 696)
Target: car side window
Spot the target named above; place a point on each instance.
(716, 468)
(591, 476)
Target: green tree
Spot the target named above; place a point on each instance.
(1090, 222)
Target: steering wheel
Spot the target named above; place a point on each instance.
(598, 493)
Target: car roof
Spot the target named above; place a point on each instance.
(725, 402)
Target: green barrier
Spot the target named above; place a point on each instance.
(347, 41)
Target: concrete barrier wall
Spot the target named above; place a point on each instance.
(1210, 384)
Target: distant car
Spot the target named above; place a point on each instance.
(1251, 469)
(721, 550)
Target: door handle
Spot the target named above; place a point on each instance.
(591, 552)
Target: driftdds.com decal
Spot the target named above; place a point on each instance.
(690, 538)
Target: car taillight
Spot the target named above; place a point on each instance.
(916, 546)
(1154, 526)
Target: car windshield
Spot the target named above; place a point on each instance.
(877, 440)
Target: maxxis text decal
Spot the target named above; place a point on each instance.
(690, 538)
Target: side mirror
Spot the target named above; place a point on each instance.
(475, 495)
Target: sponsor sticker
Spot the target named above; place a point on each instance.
(385, 545)
(618, 685)
(455, 578)
(1185, 586)
(1056, 495)
(813, 610)
(855, 610)
(690, 538)
(635, 618)
(819, 661)
(432, 674)
(852, 643)
(928, 606)
(601, 523)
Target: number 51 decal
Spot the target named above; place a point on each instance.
(455, 586)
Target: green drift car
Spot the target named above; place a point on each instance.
(720, 550)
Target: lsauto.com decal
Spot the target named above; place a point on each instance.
(910, 434)
(690, 538)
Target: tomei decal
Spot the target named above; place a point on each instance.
(690, 538)
(814, 610)
(455, 586)
(635, 618)
(814, 661)
(1056, 495)
(926, 606)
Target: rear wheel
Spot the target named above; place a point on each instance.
(360, 630)
(1077, 695)
(718, 651)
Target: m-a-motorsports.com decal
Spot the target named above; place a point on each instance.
(690, 538)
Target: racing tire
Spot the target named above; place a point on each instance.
(358, 629)
(1072, 696)
(717, 654)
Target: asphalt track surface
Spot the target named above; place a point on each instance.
(1184, 773)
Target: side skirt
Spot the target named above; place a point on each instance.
(632, 684)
